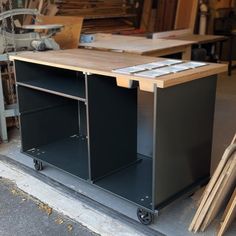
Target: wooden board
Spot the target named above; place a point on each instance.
(69, 36)
(102, 63)
(201, 39)
(120, 15)
(165, 16)
(33, 4)
(228, 216)
(146, 15)
(212, 195)
(137, 45)
(188, 36)
(186, 14)
(227, 154)
(223, 194)
(234, 139)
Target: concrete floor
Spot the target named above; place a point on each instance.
(174, 219)
(23, 215)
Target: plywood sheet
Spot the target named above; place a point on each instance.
(186, 14)
(69, 36)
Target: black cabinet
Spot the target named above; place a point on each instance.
(147, 148)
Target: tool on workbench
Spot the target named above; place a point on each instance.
(29, 37)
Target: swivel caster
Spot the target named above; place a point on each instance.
(145, 217)
(38, 165)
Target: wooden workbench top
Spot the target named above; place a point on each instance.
(199, 39)
(131, 44)
(102, 63)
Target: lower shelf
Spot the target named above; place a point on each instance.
(133, 183)
(69, 154)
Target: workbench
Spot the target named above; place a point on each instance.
(140, 45)
(199, 40)
(146, 140)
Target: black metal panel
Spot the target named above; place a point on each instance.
(69, 154)
(31, 100)
(45, 125)
(183, 139)
(145, 123)
(51, 78)
(82, 119)
(133, 183)
(112, 125)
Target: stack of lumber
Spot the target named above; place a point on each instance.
(9, 91)
(45, 7)
(100, 15)
(220, 190)
(165, 15)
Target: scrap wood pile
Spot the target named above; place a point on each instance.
(45, 7)
(165, 15)
(220, 192)
(101, 15)
(9, 91)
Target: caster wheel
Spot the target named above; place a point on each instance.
(38, 165)
(145, 217)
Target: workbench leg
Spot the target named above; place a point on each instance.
(186, 55)
(3, 123)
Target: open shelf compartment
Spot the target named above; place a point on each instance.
(133, 183)
(54, 80)
(54, 130)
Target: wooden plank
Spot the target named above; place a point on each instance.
(69, 36)
(146, 14)
(51, 10)
(103, 63)
(222, 196)
(212, 195)
(33, 4)
(121, 13)
(40, 7)
(228, 216)
(166, 12)
(234, 139)
(227, 154)
(185, 19)
(160, 11)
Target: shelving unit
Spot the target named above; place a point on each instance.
(146, 147)
(102, 16)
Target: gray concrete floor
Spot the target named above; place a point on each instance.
(22, 215)
(174, 219)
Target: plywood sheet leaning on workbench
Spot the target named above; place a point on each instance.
(69, 36)
(218, 191)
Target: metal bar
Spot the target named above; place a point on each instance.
(3, 124)
(11, 111)
(16, 12)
